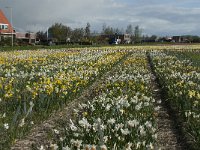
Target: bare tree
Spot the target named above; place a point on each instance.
(129, 29)
(87, 31)
(137, 34)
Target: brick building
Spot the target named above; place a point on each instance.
(6, 29)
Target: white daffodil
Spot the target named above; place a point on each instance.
(111, 121)
(133, 123)
(125, 131)
(6, 126)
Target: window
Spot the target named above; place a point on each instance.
(3, 26)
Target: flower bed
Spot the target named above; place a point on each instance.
(181, 82)
(35, 83)
(121, 117)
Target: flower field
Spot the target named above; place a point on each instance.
(122, 115)
(181, 81)
(35, 83)
(192, 55)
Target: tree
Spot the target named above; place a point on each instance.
(196, 39)
(121, 31)
(41, 35)
(87, 31)
(68, 32)
(137, 34)
(129, 29)
(107, 30)
(103, 28)
(153, 38)
(77, 34)
(59, 32)
(5, 41)
(117, 31)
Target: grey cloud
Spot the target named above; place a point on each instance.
(154, 17)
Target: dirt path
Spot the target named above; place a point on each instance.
(169, 133)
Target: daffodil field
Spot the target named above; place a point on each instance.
(122, 116)
(35, 83)
(181, 81)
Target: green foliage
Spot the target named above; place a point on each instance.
(59, 32)
(5, 41)
(77, 35)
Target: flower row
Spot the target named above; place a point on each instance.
(181, 82)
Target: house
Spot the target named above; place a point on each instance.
(180, 39)
(177, 39)
(117, 38)
(26, 38)
(6, 29)
(165, 39)
(127, 38)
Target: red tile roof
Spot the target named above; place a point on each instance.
(4, 20)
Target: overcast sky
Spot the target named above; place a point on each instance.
(160, 17)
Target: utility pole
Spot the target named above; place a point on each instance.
(11, 25)
(47, 34)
